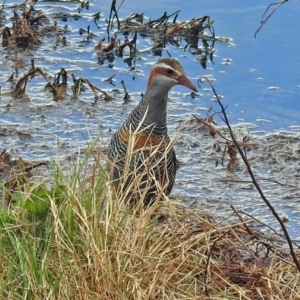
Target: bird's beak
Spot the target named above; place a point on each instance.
(183, 80)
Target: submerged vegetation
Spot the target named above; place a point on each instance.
(32, 27)
(66, 236)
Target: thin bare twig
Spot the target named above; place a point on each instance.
(110, 20)
(254, 181)
(271, 13)
(238, 212)
(2, 8)
(120, 5)
(242, 220)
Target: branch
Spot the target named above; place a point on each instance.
(272, 12)
(246, 162)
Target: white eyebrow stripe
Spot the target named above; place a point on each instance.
(166, 66)
(163, 65)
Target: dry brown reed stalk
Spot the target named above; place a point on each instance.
(78, 86)
(20, 87)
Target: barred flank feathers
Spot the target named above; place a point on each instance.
(151, 167)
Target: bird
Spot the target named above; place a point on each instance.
(141, 156)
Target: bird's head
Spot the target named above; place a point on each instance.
(168, 72)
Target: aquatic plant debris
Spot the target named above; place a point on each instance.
(32, 27)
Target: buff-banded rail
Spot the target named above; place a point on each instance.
(142, 160)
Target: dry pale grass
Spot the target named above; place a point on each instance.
(88, 245)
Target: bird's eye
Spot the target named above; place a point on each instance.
(169, 71)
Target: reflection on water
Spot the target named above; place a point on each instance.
(258, 78)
